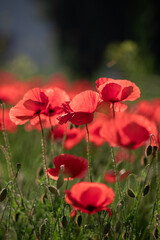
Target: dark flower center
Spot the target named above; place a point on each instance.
(90, 208)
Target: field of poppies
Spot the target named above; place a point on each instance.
(78, 161)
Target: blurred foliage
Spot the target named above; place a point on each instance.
(22, 66)
(126, 57)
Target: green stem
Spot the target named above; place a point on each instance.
(44, 157)
(7, 145)
(157, 176)
(114, 162)
(88, 155)
(113, 110)
(139, 197)
(43, 151)
(116, 172)
(64, 138)
(52, 136)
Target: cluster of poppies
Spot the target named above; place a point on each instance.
(108, 119)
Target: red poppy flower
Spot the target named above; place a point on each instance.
(128, 130)
(110, 176)
(73, 167)
(73, 136)
(80, 110)
(32, 104)
(115, 91)
(38, 101)
(56, 97)
(145, 108)
(157, 115)
(89, 197)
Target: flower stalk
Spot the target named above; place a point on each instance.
(88, 155)
(43, 152)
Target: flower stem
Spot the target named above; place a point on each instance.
(88, 154)
(113, 110)
(114, 162)
(52, 136)
(116, 172)
(139, 197)
(7, 145)
(43, 151)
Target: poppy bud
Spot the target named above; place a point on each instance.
(18, 166)
(64, 221)
(42, 229)
(16, 216)
(3, 194)
(130, 193)
(145, 161)
(53, 189)
(149, 150)
(60, 180)
(154, 150)
(146, 190)
(44, 198)
(79, 220)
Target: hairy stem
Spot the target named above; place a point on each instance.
(88, 155)
(43, 152)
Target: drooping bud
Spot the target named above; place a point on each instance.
(130, 193)
(146, 190)
(149, 150)
(3, 194)
(53, 189)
